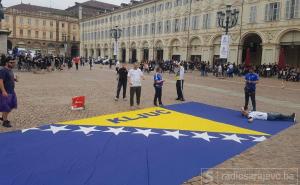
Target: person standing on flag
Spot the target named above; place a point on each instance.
(8, 98)
(179, 82)
(158, 83)
(251, 79)
(135, 76)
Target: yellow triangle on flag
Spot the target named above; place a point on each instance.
(160, 118)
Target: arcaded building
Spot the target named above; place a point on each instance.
(188, 30)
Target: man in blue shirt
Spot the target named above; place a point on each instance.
(251, 79)
(158, 83)
(8, 98)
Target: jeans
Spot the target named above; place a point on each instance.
(279, 117)
(158, 94)
(122, 83)
(179, 88)
(137, 91)
(250, 94)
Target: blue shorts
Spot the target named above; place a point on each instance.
(8, 103)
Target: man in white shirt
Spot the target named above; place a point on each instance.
(135, 76)
(179, 82)
(270, 116)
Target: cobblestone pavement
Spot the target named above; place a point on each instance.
(46, 98)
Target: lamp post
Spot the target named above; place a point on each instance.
(115, 34)
(227, 20)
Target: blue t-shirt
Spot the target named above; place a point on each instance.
(158, 77)
(8, 78)
(251, 77)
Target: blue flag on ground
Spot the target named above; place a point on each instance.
(129, 151)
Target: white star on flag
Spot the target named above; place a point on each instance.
(204, 136)
(258, 139)
(116, 131)
(25, 130)
(175, 134)
(55, 129)
(146, 132)
(233, 137)
(87, 130)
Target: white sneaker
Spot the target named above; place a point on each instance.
(116, 99)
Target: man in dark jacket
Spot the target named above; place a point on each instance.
(122, 81)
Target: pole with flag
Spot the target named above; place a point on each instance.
(282, 64)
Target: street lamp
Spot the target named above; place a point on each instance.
(227, 20)
(116, 34)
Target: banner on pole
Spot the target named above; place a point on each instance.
(224, 49)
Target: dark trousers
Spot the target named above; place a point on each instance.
(122, 83)
(76, 66)
(179, 87)
(250, 94)
(137, 91)
(279, 117)
(158, 93)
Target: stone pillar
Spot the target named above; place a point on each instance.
(152, 54)
(3, 41)
(269, 54)
(138, 54)
(128, 53)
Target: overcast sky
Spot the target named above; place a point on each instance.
(60, 4)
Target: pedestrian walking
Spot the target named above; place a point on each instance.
(251, 79)
(135, 76)
(8, 98)
(179, 82)
(122, 81)
(158, 83)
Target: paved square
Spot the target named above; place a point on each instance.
(46, 98)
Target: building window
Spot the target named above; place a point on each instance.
(44, 22)
(184, 24)
(272, 11)
(206, 21)
(167, 26)
(6, 18)
(44, 35)
(176, 24)
(29, 33)
(74, 38)
(62, 25)
(139, 32)
(152, 10)
(185, 2)
(159, 28)
(36, 34)
(133, 31)
(292, 9)
(252, 18)
(168, 5)
(152, 28)
(146, 28)
(51, 35)
(146, 11)
(195, 22)
(21, 20)
(177, 3)
(51, 23)
(21, 33)
(29, 21)
(133, 13)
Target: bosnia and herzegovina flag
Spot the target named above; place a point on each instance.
(154, 146)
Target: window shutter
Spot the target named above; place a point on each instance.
(288, 9)
(267, 12)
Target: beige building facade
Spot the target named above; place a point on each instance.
(45, 30)
(188, 30)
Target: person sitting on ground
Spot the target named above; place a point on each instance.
(270, 116)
